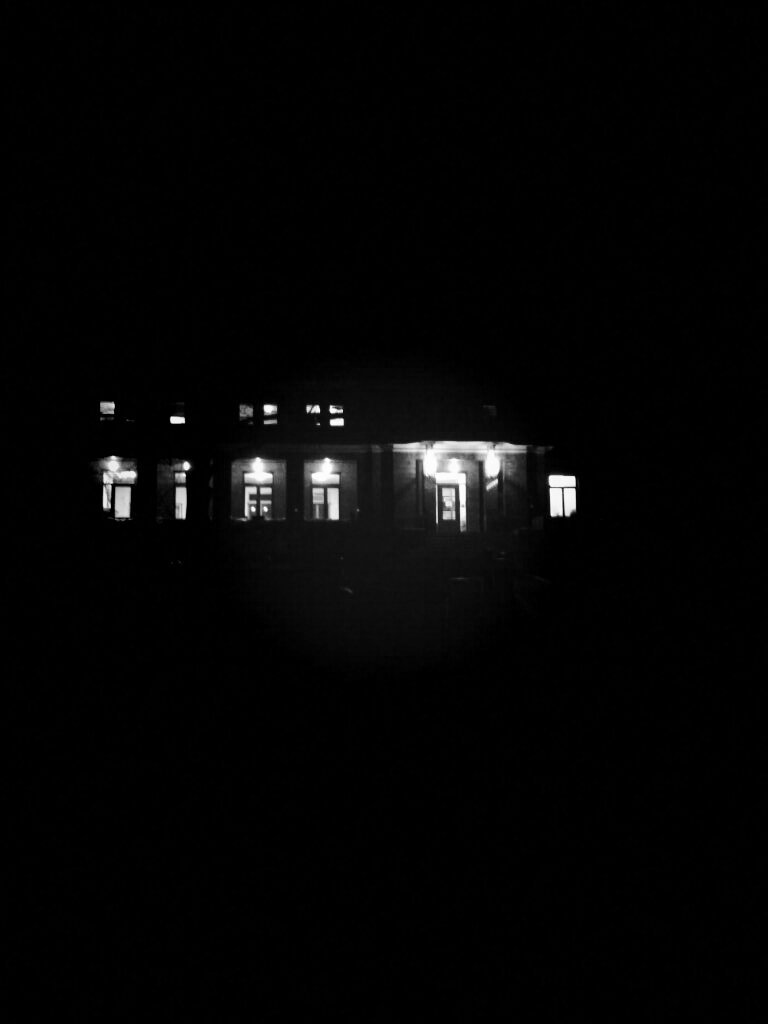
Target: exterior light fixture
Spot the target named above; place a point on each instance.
(186, 466)
(258, 471)
(453, 465)
(492, 464)
(113, 465)
(430, 463)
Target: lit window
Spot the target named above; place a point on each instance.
(562, 496)
(245, 414)
(180, 494)
(313, 411)
(325, 503)
(337, 415)
(178, 417)
(270, 414)
(117, 487)
(258, 491)
(106, 410)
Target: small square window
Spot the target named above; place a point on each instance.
(107, 410)
(245, 414)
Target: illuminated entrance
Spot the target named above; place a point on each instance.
(451, 497)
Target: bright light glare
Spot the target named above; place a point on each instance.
(176, 420)
(492, 464)
(113, 465)
(562, 481)
(430, 463)
(453, 465)
(186, 466)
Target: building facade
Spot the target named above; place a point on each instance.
(438, 460)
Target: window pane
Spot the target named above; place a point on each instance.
(176, 420)
(270, 414)
(266, 509)
(246, 412)
(180, 478)
(106, 494)
(265, 490)
(123, 502)
(325, 478)
(181, 503)
(555, 501)
(313, 410)
(318, 496)
(336, 410)
(337, 421)
(107, 410)
(570, 500)
(562, 481)
(259, 478)
(333, 502)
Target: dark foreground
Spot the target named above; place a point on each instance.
(368, 790)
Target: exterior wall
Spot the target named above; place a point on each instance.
(404, 490)
(514, 512)
(165, 489)
(347, 470)
(237, 488)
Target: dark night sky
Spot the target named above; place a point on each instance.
(551, 201)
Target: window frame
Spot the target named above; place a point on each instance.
(271, 498)
(325, 488)
(560, 490)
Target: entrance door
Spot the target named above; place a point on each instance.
(448, 508)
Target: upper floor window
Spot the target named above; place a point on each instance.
(178, 415)
(245, 414)
(313, 412)
(106, 411)
(269, 411)
(336, 413)
(562, 495)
